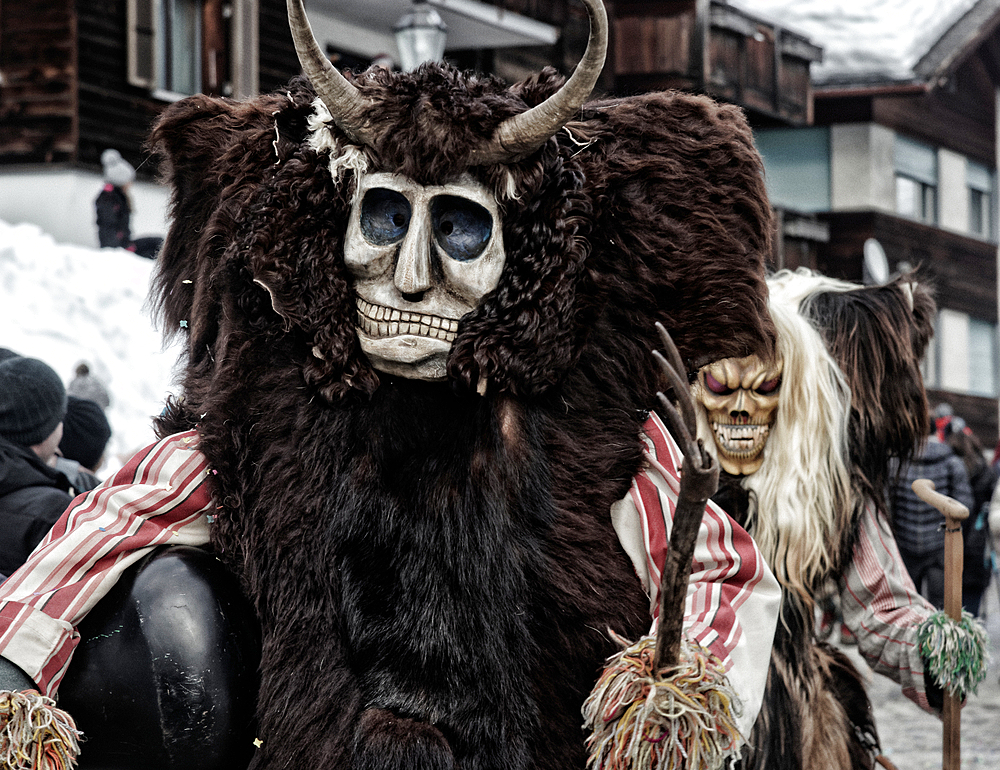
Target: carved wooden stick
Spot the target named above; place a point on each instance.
(954, 514)
(699, 480)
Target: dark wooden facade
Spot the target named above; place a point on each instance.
(38, 46)
(65, 94)
(717, 49)
(278, 62)
(962, 272)
(959, 114)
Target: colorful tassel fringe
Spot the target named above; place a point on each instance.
(680, 717)
(955, 652)
(34, 734)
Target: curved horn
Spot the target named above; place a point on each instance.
(345, 103)
(522, 134)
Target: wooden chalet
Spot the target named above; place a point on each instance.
(715, 48)
(79, 76)
(82, 76)
(902, 155)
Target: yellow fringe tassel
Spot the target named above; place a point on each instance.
(34, 734)
(681, 717)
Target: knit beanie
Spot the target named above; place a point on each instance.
(86, 385)
(32, 400)
(85, 432)
(117, 170)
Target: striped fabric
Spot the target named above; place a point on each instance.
(733, 598)
(160, 498)
(883, 608)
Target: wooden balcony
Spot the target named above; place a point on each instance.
(713, 47)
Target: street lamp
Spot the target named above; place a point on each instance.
(420, 35)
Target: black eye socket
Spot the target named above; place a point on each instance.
(461, 228)
(385, 216)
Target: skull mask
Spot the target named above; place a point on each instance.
(740, 396)
(422, 257)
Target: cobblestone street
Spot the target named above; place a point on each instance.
(912, 739)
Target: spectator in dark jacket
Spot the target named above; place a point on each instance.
(114, 208)
(86, 432)
(975, 529)
(33, 494)
(918, 526)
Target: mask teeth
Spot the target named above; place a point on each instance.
(740, 441)
(382, 321)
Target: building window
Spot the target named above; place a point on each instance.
(981, 183)
(797, 167)
(182, 47)
(178, 53)
(963, 356)
(982, 358)
(916, 180)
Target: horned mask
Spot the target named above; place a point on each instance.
(422, 257)
(740, 397)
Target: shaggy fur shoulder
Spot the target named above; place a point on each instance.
(681, 225)
(878, 336)
(435, 570)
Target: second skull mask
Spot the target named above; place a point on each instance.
(740, 396)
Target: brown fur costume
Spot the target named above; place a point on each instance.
(816, 713)
(435, 571)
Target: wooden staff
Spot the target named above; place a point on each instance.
(954, 514)
(699, 480)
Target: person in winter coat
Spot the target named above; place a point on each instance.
(918, 526)
(86, 432)
(975, 529)
(114, 208)
(33, 494)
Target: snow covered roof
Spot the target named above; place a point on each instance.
(868, 42)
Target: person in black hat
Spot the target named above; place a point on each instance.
(33, 494)
(86, 432)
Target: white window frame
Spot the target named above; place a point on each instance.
(982, 344)
(963, 356)
(164, 69)
(245, 53)
(145, 48)
(916, 180)
(141, 43)
(981, 185)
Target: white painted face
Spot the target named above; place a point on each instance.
(421, 257)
